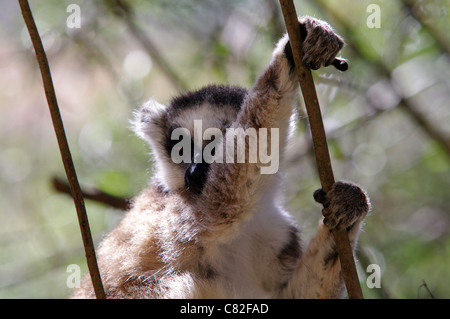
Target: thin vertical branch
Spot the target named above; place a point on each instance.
(320, 145)
(64, 149)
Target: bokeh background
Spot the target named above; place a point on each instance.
(387, 120)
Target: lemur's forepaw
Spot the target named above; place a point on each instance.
(321, 44)
(344, 205)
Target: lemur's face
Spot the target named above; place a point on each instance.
(191, 131)
(180, 134)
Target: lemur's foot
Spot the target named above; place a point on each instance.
(321, 44)
(344, 205)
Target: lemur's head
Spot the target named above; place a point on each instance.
(176, 133)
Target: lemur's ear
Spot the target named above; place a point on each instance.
(150, 122)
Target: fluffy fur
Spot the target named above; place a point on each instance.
(228, 237)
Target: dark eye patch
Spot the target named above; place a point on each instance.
(171, 143)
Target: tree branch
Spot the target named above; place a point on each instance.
(424, 284)
(320, 145)
(94, 194)
(64, 149)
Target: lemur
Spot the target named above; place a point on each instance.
(218, 230)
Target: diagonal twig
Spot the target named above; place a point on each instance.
(429, 25)
(320, 145)
(124, 10)
(405, 103)
(64, 149)
(96, 195)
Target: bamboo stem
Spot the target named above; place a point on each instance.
(64, 149)
(319, 139)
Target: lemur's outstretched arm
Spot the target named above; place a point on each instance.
(269, 104)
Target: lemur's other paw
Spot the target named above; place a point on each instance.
(344, 205)
(321, 44)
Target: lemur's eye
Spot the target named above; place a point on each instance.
(182, 147)
(173, 146)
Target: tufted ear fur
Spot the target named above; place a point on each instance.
(150, 123)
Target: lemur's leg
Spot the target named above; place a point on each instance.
(268, 104)
(319, 272)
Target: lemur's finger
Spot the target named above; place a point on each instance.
(320, 196)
